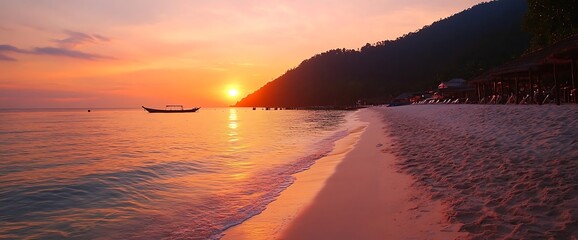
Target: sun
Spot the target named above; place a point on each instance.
(233, 92)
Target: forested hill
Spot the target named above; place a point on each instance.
(463, 45)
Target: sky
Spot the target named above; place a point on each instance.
(110, 53)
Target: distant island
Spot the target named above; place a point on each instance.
(461, 46)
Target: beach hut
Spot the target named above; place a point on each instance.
(402, 99)
(456, 88)
(542, 76)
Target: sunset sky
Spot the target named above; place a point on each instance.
(110, 53)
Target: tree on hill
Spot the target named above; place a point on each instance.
(550, 21)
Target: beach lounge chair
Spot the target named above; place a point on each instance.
(511, 99)
(482, 101)
(493, 100)
(546, 99)
(525, 99)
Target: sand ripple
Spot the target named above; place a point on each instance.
(506, 172)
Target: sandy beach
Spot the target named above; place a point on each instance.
(438, 172)
(506, 172)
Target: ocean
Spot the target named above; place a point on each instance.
(128, 174)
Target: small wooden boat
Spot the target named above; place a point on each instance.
(171, 109)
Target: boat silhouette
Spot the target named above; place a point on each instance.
(171, 109)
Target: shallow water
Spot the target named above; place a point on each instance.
(127, 174)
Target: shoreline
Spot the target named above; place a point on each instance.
(356, 192)
(270, 223)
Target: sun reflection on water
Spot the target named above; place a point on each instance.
(233, 125)
(232, 114)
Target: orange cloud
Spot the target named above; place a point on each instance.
(77, 38)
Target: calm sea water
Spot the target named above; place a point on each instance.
(128, 174)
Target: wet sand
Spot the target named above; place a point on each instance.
(280, 213)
